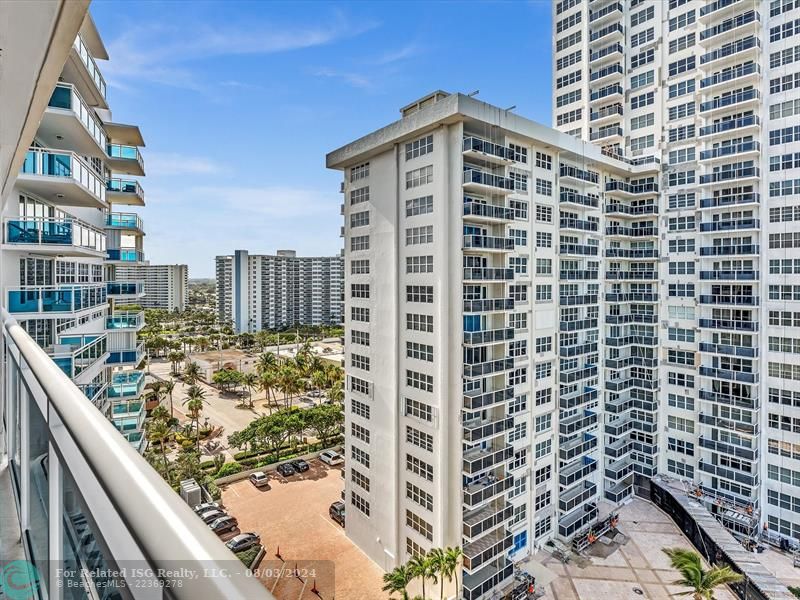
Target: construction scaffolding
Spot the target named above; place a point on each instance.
(585, 539)
(736, 515)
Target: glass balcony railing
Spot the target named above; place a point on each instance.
(729, 175)
(55, 299)
(93, 501)
(730, 49)
(482, 178)
(606, 132)
(59, 163)
(44, 231)
(126, 384)
(489, 211)
(66, 97)
(477, 144)
(125, 288)
(91, 66)
(125, 320)
(615, 69)
(730, 75)
(730, 100)
(134, 355)
(729, 24)
(610, 90)
(125, 255)
(76, 353)
(730, 150)
(124, 221)
(730, 125)
(125, 152)
(125, 186)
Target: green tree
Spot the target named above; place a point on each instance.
(250, 380)
(268, 381)
(191, 373)
(397, 580)
(452, 564)
(194, 401)
(702, 582)
(423, 567)
(288, 383)
(438, 560)
(168, 387)
(324, 420)
(266, 362)
(157, 429)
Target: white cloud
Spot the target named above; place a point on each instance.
(407, 51)
(354, 79)
(168, 164)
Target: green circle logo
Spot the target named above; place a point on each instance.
(19, 580)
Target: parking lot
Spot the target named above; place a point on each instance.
(292, 518)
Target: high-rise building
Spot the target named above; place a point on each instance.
(259, 291)
(711, 91)
(165, 286)
(63, 240)
(474, 253)
(82, 514)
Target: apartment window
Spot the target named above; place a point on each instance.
(680, 424)
(359, 337)
(519, 460)
(359, 290)
(519, 153)
(518, 348)
(419, 293)
(544, 292)
(681, 245)
(681, 66)
(518, 321)
(544, 214)
(518, 377)
(359, 314)
(419, 351)
(520, 181)
(418, 410)
(643, 37)
(642, 16)
(683, 132)
(680, 401)
(566, 5)
(418, 438)
(681, 110)
(786, 135)
(543, 422)
(642, 100)
(420, 381)
(641, 143)
(542, 475)
(413, 549)
(544, 344)
(643, 58)
(419, 177)
(681, 290)
(420, 147)
(520, 487)
(566, 42)
(680, 357)
(419, 264)
(359, 242)
(419, 206)
(544, 266)
(359, 432)
(685, 200)
(681, 224)
(419, 235)
(643, 121)
(543, 526)
(543, 448)
(518, 293)
(544, 370)
(518, 404)
(681, 43)
(519, 264)
(359, 455)
(544, 161)
(680, 469)
(359, 267)
(544, 239)
(416, 322)
(569, 117)
(682, 21)
(520, 236)
(359, 172)
(359, 362)
(359, 502)
(419, 467)
(568, 22)
(518, 433)
(568, 79)
(519, 209)
(359, 385)
(542, 500)
(543, 187)
(784, 57)
(419, 496)
(359, 195)
(681, 88)
(681, 268)
(360, 480)
(544, 396)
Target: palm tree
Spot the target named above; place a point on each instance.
(422, 567)
(266, 362)
(440, 564)
(158, 431)
(194, 404)
(452, 564)
(250, 380)
(397, 580)
(176, 357)
(690, 566)
(168, 386)
(288, 383)
(268, 382)
(191, 372)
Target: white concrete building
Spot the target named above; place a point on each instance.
(712, 91)
(62, 240)
(473, 253)
(259, 291)
(165, 286)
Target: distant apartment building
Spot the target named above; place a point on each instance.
(474, 253)
(711, 90)
(259, 291)
(165, 286)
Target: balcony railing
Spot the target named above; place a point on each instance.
(124, 288)
(125, 186)
(729, 24)
(125, 254)
(614, 28)
(650, 187)
(490, 211)
(476, 144)
(114, 508)
(609, 90)
(730, 49)
(126, 152)
(606, 132)
(730, 150)
(730, 125)
(730, 174)
(730, 75)
(125, 320)
(608, 111)
(730, 100)
(487, 274)
(485, 242)
(46, 231)
(730, 200)
(489, 305)
(608, 50)
(57, 163)
(74, 354)
(91, 66)
(606, 10)
(606, 71)
(124, 221)
(488, 179)
(715, 6)
(66, 97)
(576, 173)
(133, 356)
(729, 250)
(126, 384)
(55, 298)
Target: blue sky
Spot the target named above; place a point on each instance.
(239, 102)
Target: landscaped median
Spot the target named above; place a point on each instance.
(224, 475)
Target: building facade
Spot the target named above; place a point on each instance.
(259, 291)
(474, 253)
(64, 239)
(165, 286)
(712, 91)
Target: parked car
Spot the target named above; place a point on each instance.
(315, 393)
(206, 506)
(224, 524)
(329, 457)
(243, 541)
(286, 469)
(300, 465)
(212, 515)
(336, 511)
(259, 479)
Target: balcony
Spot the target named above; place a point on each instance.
(126, 385)
(578, 274)
(740, 175)
(730, 25)
(579, 224)
(81, 69)
(637, 275)
(707, 11)
(479, 430)
(727, 374)
(488, 243)
(129, 222)
(568, 351)
(646, 318)
(614, 31)
(729, 299)
(632, 254)
(728, 324)
(486, 489)
(740, 150)
(579, 175)
(632, 297)
(631, 340)
(729, 449)
(573, 522)
(577, 325)
(612, 10)
(608, 93)
(477, 148)
(587, 372)
(69, 124)
(477, 211)
(578, 249)
(76, 353)
(573, 473)
(490, 577)
(486, 549)
(479, 181)
(606, 114)
(122, 290)
(481, 459)
(124, 191)
(568, 451)
(613, 51)
(607, 134)
(732, 474)
(58, 300)
(620, 490)
(619, 469)
(488, 305)
(132, 357)
(578, 299)
(576, 423)
(623, 231)
(729, 399)
(739, 125)
(576, 399)
(731, 100)
(576, 496)
(607, 73)
(62, 178)
(740, 75)
(488, 274)
(477, 400)
(728, 50)
(490, 367)
(729, 225)
(491, 516)
(618, 449)
(126, 159)
(125, 255)
(65, 236)
(730, 424)
(625, 189)
(729, 350)
(573, 197)
(125, 320)
(737, 275)
(493, 336)
(730, 200)
(78, 460)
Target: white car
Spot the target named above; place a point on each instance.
(329, 457)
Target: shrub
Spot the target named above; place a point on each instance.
(230, 468)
